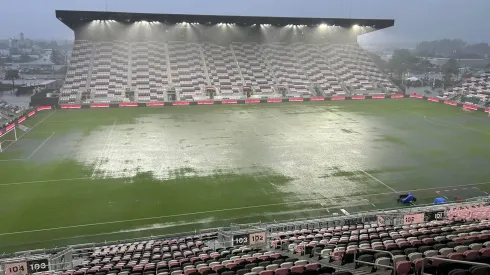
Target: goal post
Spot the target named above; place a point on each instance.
(7, 138)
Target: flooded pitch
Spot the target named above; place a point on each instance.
(130, 170)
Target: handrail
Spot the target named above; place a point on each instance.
(374, 264)
(451, 261)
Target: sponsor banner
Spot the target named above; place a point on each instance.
(71, 106)
(413, 218)
(229, 101)
(1, 133)
(31, 113)
(487, 110)
(317, 99)
(397, 96)
(131, 104)
(338, 97)
(471, 107)
(205, 102)
(433, 99)
(99, 105)
(296, 99)
(416, 96)
(180, 103)
(22, 119)
(150, 104)
(252, 100)
(42, 108)
(377, 96)
(452, 103)
(358, 97)
(274, 100)
(10, 127)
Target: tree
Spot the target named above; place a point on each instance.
(402, 61)
(12, 75)
(57, 57)
(450, 69)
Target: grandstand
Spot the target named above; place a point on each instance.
(474, 90)
(121, 57)
(260, 190)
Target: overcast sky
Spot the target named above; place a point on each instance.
(415, 20)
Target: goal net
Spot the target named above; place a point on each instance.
(7, 138)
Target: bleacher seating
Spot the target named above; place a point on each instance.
(474, 90)
(8, 112)
(464, 236)
(107, 70)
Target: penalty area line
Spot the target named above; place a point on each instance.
(376, 179)
(33, 127)
(39, 147)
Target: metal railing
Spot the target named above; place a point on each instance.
(451, 261)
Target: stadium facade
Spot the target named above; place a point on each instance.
(134, 57)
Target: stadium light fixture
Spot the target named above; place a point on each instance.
(355, 26)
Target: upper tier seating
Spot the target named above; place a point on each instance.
(222, 68)
(107, 70)
(76, 76)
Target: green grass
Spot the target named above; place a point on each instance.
(93, 175)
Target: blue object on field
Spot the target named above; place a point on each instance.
(408, 199)
(440, 200)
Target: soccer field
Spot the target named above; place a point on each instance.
(91, 175)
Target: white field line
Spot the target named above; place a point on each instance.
(33, 127)
(361, 195)
(428, 119)
(103, 149)
(170, 216)
(376, 179)
(39, 147)
(42, 181)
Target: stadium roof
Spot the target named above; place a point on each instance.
(75, 18)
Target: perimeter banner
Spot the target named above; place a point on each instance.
(433, 99)
(229, 101)
(358, 97)
(317, 99)
(99, 105)
(452, 103)
(252, 100)
(274, 100)
(471, 107)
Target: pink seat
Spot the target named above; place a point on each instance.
(455, 256)
(189, 270)
(485, 252)
(281, 271)
(403, 267)
(266, 272)
(297, 269)
(313, 266)
(470, 255)
(418, 263)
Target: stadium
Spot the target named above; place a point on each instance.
(204, 144)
